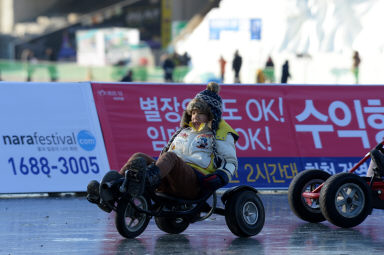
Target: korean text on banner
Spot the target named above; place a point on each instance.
(283, 129)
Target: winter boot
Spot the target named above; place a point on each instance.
(135, 177)
(93, 194)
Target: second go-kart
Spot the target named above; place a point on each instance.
(243, 209)
(344, 199)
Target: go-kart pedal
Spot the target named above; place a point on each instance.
(104, 206)
(136, 176)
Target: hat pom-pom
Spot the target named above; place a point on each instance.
(214, 87)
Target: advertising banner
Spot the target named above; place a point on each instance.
(50, 138)
(283, 129)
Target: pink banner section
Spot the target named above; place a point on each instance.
(273, 121)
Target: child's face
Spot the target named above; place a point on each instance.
(198, 118)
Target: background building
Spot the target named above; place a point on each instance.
(39, 24)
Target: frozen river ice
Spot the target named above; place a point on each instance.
(71, 225)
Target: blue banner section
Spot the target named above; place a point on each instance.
(255, 29)
(277, 173)
(218, 25)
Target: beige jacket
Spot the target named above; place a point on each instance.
(195, 148)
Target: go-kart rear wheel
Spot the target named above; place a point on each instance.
(171, 225)
(345, 200)
(307, 209)
(129, 222)
(244, 213)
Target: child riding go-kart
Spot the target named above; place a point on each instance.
(199, 159)
(243, 211)
(344, 199)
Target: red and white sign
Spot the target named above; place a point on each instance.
(273, 121)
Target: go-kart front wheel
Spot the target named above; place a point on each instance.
(130, 223)
(244, 213)
(345, 200)
(171, 225)
(307, 209)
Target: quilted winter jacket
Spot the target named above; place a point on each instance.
(195, 147)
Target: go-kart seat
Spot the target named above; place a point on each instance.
(200, 202)
(178, 200)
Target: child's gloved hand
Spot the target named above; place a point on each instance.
(215, 180)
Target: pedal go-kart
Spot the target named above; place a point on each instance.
(344, 199)
(244, 211)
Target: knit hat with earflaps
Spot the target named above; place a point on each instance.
(207, 101)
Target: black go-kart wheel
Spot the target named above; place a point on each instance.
(307, 209)
(345, 200)
(130, 223)
(244, 213)
(171, 225)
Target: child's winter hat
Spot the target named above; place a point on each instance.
(207, 101)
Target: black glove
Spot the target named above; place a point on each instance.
(215, 180)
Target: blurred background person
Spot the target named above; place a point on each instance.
(236, 66)
(28, 57)
(50, 57)
(127, 77)
(168, 67)
(355, 65)
(260, 77)
(269, 71)
(222, 63)
(285, 75)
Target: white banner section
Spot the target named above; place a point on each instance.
(50, 138)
